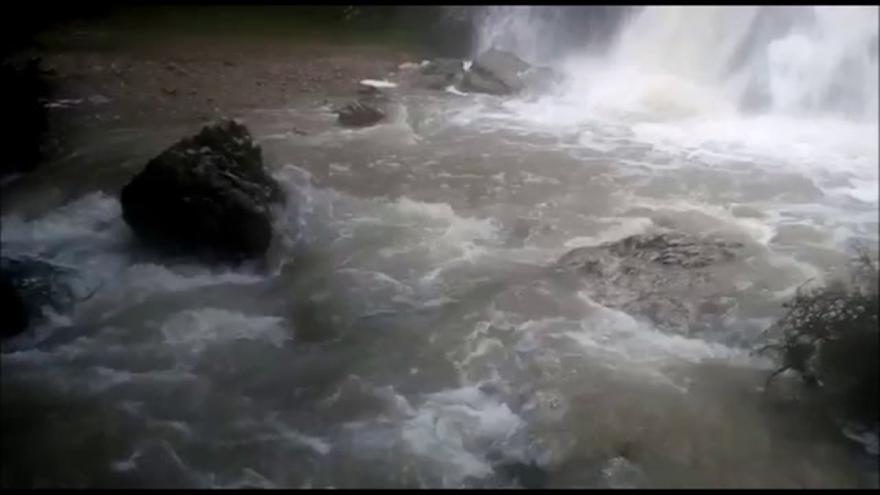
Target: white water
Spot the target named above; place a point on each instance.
(808, 60)
(403, 341)
(685, 80)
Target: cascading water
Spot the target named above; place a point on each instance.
(542, 34)
(801, 61)
(793, 87)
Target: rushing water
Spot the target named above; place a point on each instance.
(405, 330)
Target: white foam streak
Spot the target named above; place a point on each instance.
(194, 330)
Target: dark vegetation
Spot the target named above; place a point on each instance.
(829, 336)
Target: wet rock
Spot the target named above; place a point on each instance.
(206, 195)
(475, 82)
(28, 286)
(495, 72)
(676, 249)
(665, 278)
(360, 114)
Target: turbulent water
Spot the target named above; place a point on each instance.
(406, 330)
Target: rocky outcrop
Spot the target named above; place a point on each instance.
(664, 278)
(208, 195)
(495, 72)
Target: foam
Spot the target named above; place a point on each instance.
(378, 83)
(458, 232)
(615, 331)
(454, 429)
(95, 220)
(194, 330)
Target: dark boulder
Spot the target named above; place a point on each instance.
(362, 113)
(206, 195)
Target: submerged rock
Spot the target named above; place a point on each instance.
(360, 114)
(495, 72)
(662, 277)
(207, 194)
(27, 286)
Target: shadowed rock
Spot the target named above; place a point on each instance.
(207, 194)
(360, 114)
(27, 286)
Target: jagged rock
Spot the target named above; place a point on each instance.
(208, 194)
(661, 277)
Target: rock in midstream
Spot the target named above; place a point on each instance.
(207, 194)
(663, 277)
